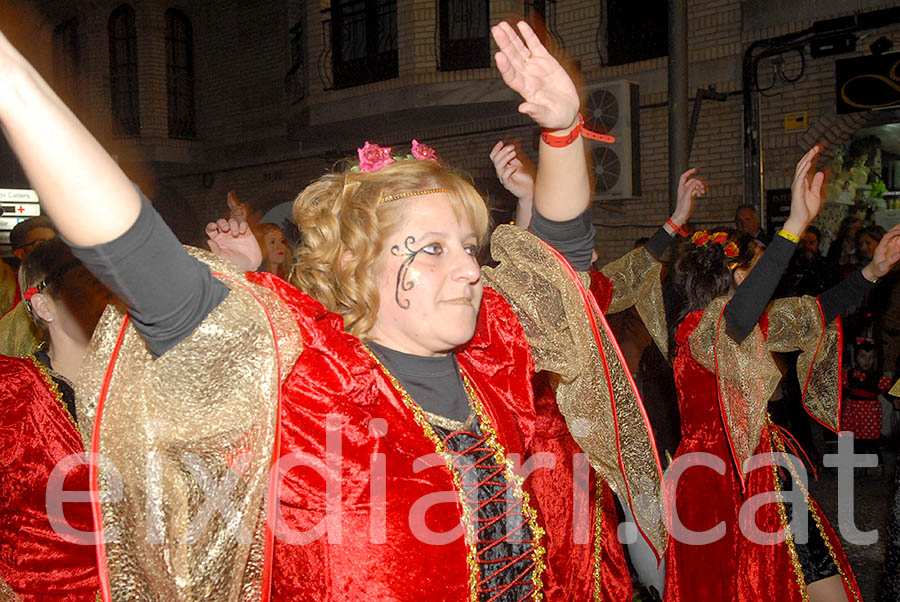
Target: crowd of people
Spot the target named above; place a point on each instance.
(375, 415)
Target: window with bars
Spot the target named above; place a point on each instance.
(536, 9)
(295, 79)
(67, 60)
(123, 76)
(636, 31)
(465, 34)
(363, 41)
(180, 75)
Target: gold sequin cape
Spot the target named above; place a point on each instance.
(187, 438)
(747, 375)
(594, 389)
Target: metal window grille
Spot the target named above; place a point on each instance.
(123, 71)
(363, 41)
(67, 59)
(464, 34)
(180, 75)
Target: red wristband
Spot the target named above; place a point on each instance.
(561, 141)
(679, 230)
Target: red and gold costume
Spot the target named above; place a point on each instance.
(335, 538)
(36, 434)
(722, 391)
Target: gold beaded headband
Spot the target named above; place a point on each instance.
(405, 195)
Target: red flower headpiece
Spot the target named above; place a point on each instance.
(702, 238)
(373, 157)
(719, 238)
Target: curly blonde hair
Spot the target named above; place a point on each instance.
(344, 226)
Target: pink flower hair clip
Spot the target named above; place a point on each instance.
(373, 157)
(423, 152)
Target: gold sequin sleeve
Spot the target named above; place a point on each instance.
(18, 334)
(635, 280)
(796, 324)
(747, 374)
(593, 389)
(188, 438)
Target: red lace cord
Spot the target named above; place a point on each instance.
(483, 457)
(793, 446)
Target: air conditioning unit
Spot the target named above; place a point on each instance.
(614, 108)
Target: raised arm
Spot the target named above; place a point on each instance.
(753, 294)
(851, 290)
(689, 188)
(97, 209)
(562, 188)
(516, 172)
(80, 186)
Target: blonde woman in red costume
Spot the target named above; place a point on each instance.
(392, 387)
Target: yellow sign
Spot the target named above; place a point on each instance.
(797, 121)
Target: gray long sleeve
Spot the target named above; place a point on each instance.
(573, 239)
(168, 292)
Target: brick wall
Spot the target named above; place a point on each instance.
(251, 139)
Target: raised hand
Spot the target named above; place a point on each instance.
(233, 241)
(806, 193)
(689, 188)
(549, 93)
(514, 170)
(887, 253)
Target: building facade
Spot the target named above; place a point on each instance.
(199, 98)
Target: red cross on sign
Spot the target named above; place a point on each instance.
(20, 209)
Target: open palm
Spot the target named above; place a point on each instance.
(551, 98)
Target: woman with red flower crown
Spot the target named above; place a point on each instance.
(725, 544)
(391, 388)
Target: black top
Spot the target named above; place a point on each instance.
(751, 298)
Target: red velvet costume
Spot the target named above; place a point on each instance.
(335, 376)
(732, 568)
(36, 433)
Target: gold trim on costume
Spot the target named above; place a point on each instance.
(789, 537)
(48, 378)
(210, 402)
(779, 445)
(500, 457)
(593, 390)
(598, 540)
(516, 481)
(7, 594)
(441, 449)
(449, 423)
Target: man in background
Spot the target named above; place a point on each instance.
(746, 220)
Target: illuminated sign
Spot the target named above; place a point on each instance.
(866, 83)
